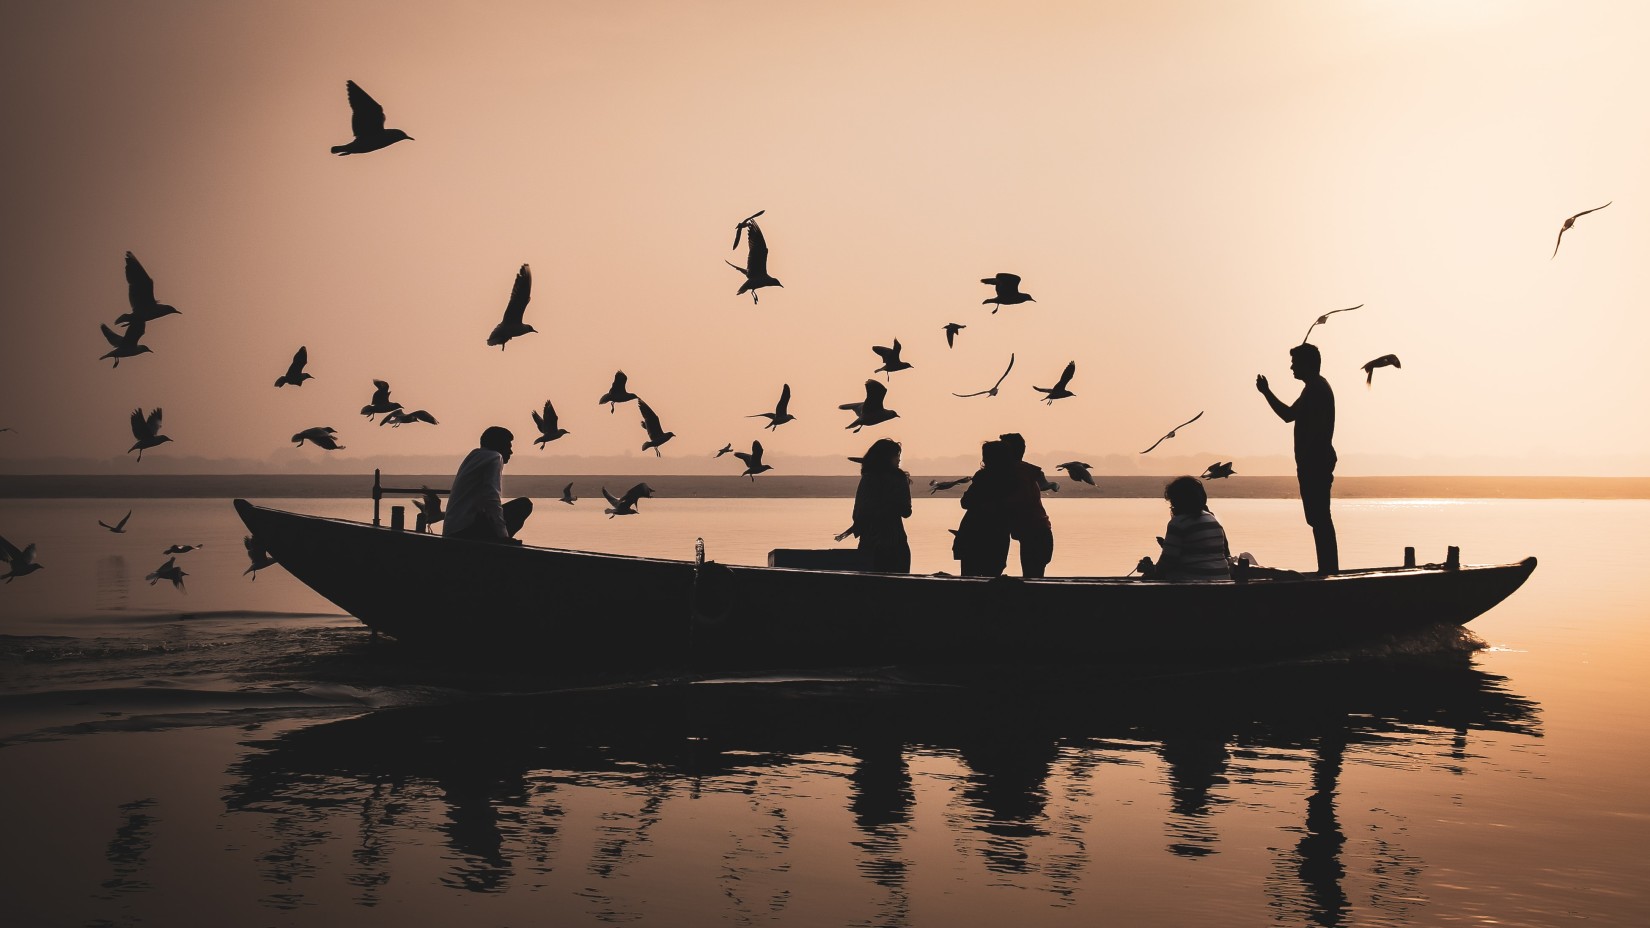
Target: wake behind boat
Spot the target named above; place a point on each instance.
(617, 612)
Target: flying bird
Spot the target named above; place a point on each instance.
(295, 371)
(656, 435)
(168, 571)
(381, 402)
(124, 345)
(637, 492)
(366, 121)
(321, 436)
(1385, 360)
(870, 410)
(256, 553)
(934, 486)
(1218, 470)
(890, 359)
(549, 429)
(1058, 391)
(512, 326)
(756, 269)
(119, 528)
(140, 293)
(1172, 431)
(753, 461)
(999, 383)
(21, 561)
(618, 506)
(951, 330)
(781, 414)
(1570, 222)
(397, 418)
(1078, 471)
(567, 495)
(182, 549)
(146, 431)
(1325, 318)
(429, 505)
(1008, 291)
(728, 448)
(617, 393)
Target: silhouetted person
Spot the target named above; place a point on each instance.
(1194, 544)
(881, 505)
(1027, 520)
(982, 538)
(1314, 416)
(474, 510)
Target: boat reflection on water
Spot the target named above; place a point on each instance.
(516, 785)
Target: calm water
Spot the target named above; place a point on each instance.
(240, 754)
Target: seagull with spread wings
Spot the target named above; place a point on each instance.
(396, 418)
(255, 553)
(1172, 431)
(993, 390)
(182, 549)
(366, 121)
(618, 506)
(548, 424)
(1078, 471)
(617, 393)
(890, 359)
(1058, 391)
(381, 402)
(1325, 318)
(295, 371)
(753, 461)
(871, 410)
(428, 502)
(951, 330)
(1570, 222)
(140, 293)
(511, 325)
(119, 528)
(168, 571)
(567, 495)
(1217, 471)
(934, 486)
(20, 561)
(756, 264)
(1008, 291)
(147, 431)
(321, 437)
(781, 414)
(124, 345)
(727, 448)
(1385, 360)
(656, 434)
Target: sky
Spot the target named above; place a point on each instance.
(1183, 188)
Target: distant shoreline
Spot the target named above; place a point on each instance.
(346, 486)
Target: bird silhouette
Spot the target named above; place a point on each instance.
(870, 410)
(618, 506)
(753, 461)
(396, 418)
(321, 436)
(951, 330)
(256, 553)
(547, 424)
(993, 390)
(511, 325)
(1058, 391)
(728, 448)
(119, 528)
(890, 359)
(168, 571)
(1325, 318)
(617, 393)
(428, 502)
(20, 561)
(1078, 471)
(140, 293)
(934, 486)
(366, 121)
(182, 549)
(9, 429)
(147, 432)
(381, 402)
(781, 414)
(1385, 360)
(1172, 431)
(637, 492)
(295, 371)
(1008, 291)
(124, 345)
(656, 435)
(756, 263)
(567, 495)
(1217, 470)
(1570, 222)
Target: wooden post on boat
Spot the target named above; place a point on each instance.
(398, 518)
(1409, 555)
(1452, 560)
(418, 524)
(1240, 573)
(377, 494)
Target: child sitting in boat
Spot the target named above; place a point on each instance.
(1194, 544)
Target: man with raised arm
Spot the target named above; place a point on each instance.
(1314, 416)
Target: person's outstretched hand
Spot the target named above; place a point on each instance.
(1260, 383)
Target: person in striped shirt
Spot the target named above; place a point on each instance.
(1194, 544)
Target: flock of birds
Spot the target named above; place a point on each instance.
(370, 134)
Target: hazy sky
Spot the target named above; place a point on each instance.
(1182, 186)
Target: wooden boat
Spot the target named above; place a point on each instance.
(607, 611)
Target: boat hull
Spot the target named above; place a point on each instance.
(601, 611)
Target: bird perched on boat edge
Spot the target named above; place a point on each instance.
(147, 431)
(1008, 291)
(781, 414)
(321, 436)
(366, 122)
(548, 426)
(1385, 360)
(1078, 471)
(511, 325)
(756, 262)
(1570, 222)
(871, 410)
(1058, 391)
(295, 371)
(429, 505)
(140, 293)
(1170, 433)
(656, 435)
(753, 461)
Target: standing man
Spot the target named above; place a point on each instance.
(1028, 521)
(474, 510)
(1314, 418)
